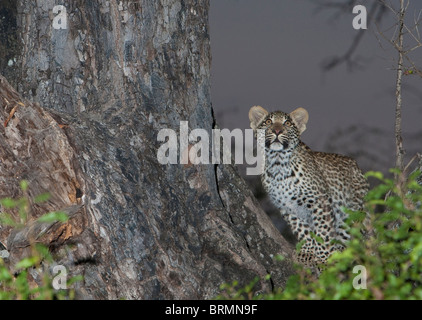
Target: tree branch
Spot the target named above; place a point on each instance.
(398, 117)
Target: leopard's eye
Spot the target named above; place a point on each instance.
(268, 121)
(288, 123)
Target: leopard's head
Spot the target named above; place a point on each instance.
(281, 131)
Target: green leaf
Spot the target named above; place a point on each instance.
(43, 252)
(75, 279)
(54, 217)
(389, 216)
(8, 203)
(378, 192)
(24, 185)
(279, 257)
(22, 285)
(358, 216)
(7, 219)
(375, 174)
(23, 205)
(376, 202)
(27, 263)
(5, 274)
(299, 245)
(43, 197)
(317, 238)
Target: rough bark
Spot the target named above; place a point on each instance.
(118, 74)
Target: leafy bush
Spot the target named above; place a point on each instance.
(17, 282)
(383, 259)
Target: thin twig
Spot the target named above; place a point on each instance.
(398, 133)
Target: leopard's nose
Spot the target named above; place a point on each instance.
(277, 131)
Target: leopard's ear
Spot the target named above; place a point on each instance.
(300, 117)
(256, 115)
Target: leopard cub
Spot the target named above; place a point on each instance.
(309, 188)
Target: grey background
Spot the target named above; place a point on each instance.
(270, 53)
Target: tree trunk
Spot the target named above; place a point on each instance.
(112, 74)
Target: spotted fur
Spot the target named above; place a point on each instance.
(309, 188)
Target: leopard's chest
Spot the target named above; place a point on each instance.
(289, 189)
